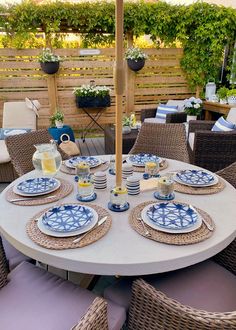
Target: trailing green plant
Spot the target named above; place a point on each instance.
(135, 53)
(202, 29)
(222, 92)
(91, 90)
(48, 56)
(57, 116)
(231, 92)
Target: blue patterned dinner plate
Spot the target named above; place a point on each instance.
(37, 186)
(172, 217)
(67, 218)
(91, 161)
(196, 178)
(142, 158)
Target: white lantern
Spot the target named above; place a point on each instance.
(210, 90)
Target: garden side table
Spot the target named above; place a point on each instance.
(56, 133)
(94, 119)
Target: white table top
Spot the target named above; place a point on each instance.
(122, 251)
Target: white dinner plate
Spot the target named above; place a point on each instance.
(194, 178)
(151, 224)
(36, 186)
(49, 232)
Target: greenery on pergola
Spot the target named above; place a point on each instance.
(203, 30)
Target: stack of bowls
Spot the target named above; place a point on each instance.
(127, 170)
(100, 180)
(133, 185)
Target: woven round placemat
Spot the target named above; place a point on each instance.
(195, 236)
(163, 166)
(72, 171)
(65, 189)
(200, 191)
(58, 243)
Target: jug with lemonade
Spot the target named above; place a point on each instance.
(47, 158)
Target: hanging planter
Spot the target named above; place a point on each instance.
(49, 62)
(50, 67)
(135, 58)
(136, 65)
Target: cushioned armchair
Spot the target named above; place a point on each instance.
(33, 299)
(148, 115)
(208, 149)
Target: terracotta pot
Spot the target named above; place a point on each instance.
(136, 65)
(50, 67)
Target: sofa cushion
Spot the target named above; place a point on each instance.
(206, 286)
(191, 138)
(5, 132)
(223, 125)
(163, 110)
(155, 120)
(36, 299)
(178, 103)
(4, 155)
(17, 113)
(232, 116)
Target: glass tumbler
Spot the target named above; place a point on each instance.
(152, 169)
(85, 186)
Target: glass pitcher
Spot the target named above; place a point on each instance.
(47, 158)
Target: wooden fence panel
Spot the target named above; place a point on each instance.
(20, 76)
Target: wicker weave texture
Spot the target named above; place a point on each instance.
(21, 149)
(3, 266)
(151, 309)
(7, 172)
(164, 140)
(95, 317)
(212, 150)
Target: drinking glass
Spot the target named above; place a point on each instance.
(82, 169)
(85, 186)
(152, 169)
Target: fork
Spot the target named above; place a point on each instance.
(146, 231)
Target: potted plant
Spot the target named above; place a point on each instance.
(135, 58)
(57, 119)
(231, 96)
(222, 94)
(126, 123)
(92, 96)
(193, 108)
(49, 61)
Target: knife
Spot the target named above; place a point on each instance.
(30, 198)
(100, 222)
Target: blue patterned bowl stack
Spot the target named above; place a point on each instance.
(100, 180)
(127, 170)
(133, 185)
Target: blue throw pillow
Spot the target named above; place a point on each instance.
(222, 125)
(4, 132)
(163, 110)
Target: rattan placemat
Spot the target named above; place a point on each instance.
(200, 191)
(195, 236)
(56, 243)
(71, 171)
(65, 189)
(163, 166)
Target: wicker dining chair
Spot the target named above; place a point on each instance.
(21, 149)
(164, 140)
(211, 150)
(32, 298)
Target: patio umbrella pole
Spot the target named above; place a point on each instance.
(119, 88)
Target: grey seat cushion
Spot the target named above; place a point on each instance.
(205, 286)
(35, 299)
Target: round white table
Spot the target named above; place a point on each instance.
(122, 251)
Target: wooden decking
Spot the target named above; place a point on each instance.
(91, 146)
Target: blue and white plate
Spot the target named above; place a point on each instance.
(67, 220)
(142, 158)
(91, 161)
(36, 186)
(196, 178)
(171, 217)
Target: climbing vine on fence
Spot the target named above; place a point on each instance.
(202, 29)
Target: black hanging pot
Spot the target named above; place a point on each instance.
(136, 65)
(50, 67)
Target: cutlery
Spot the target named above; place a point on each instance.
(146, 232)
(30, 198)
(209, 227)
(100, 222)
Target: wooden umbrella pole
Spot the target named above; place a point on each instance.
(119, 88)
